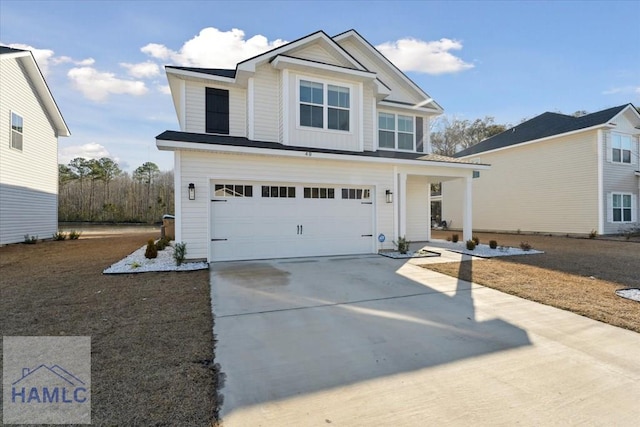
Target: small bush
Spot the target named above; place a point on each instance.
(162, 243)
(493, 244)
(593, 234)
(471, 245)
(30, 240)
(136, 264)
(476, 240)
(448, 238)
(74, 235)
(59, 236)
(455, 238)
(179, 252)
(525, 246)
(151, 251)
(402, 244)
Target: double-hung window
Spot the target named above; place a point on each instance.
(621, 207)
(621, 148)
(16, 131)
(324, 106)
(396, 132)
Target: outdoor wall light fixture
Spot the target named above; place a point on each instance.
(389, 196)
(192, 191)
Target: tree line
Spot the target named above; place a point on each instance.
(97, 190)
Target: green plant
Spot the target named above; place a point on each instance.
(30, 240)
(455, 238)
(74, 235)
(448, 238)
(136, 264)
(476, 240)
(593, 234)
(179, 252)
(493, 244)
(402, 244)
(151, 251)
(162, 243)
(471, 245)
(59, 235)
(518, 231)
(525, 246)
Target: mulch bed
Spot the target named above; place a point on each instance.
(151, 334)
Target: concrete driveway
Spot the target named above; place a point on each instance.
(362, 341)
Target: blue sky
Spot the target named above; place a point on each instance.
(510, 60)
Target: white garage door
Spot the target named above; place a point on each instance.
(271, 220)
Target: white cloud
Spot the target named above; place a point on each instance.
(164, 89)
(68, 60)
(97, 86)
(142, 69)
(623, 90)
(42, 56)
(214, 48)
(91, 150)
(432, 57)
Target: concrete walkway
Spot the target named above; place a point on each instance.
(362, 341)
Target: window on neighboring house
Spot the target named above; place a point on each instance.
(217, 111)
(621, 148)
(396, 132)
(621, 207)
(324, 106)
(16, 131)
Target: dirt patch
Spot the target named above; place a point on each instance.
(151, 334)
(579, 275)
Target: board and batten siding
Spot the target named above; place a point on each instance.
(200, 168)
(549, 186)
(619, 178)
(28, 178)
(196, 110)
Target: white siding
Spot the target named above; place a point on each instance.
(317, 53)
(266, 95)
(28, 178)
(200, 168)
(196, 111)
(548, 186)
(418, 221)
(369, 124)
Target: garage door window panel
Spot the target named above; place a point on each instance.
(319, 193)
(233, 190)
(274, 191)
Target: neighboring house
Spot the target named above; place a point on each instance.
(317, 147)
(557, 174)
(30, 124)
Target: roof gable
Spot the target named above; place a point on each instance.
(545, 125)
(33, 73)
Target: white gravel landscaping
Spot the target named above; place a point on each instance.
(138, 263)
(482, 250)
(633, 294)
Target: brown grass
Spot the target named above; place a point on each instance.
(579, 275)
(151, 333)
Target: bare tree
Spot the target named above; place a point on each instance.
(453, 135)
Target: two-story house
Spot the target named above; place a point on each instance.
(556, 174)
(30, 124)
(317, 147)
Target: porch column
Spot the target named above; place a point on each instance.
(467, 231)
(402, 205)
(429, 210)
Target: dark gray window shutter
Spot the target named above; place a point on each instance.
(217, 111)
(419, 135)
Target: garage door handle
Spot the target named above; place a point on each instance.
(300, 229)
(216, 200)
(366, 203)
(366, 235)
(219, 240)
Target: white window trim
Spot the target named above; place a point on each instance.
(631, 151)
(11, 113)
(325, 105)
(633, 207)
(395, 131)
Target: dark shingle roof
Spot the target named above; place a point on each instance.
(6, 49)
(542, 126)
(222, 72)
(237, 141)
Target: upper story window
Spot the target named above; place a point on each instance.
(217, 111)
(16, 131)
(621, 148)
(396, 132)
(324, 106)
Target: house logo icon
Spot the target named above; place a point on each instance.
(48, 384)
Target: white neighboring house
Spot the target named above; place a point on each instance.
(318, 147)
(556, 174)
(30, 124)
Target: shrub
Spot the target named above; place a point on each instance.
(162, 243)
(593, 234)
(493, 244)
(455, 238)
(525, 246)
(402, 244)
(151, 251)
(30, 240)
(471, 245)
(476, 240)
(59, 235)
(74, 235)
(179, 252)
